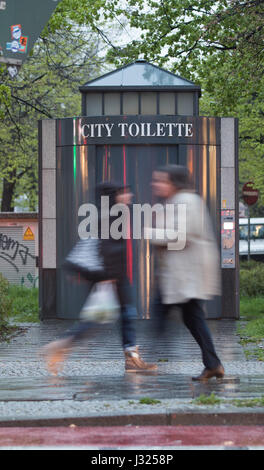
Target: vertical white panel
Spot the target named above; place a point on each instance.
(49, 144)
(49, 243)
(227, 142)
(49, 194)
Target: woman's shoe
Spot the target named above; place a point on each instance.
(55, 354)
(134, 363)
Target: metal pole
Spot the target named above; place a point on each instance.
(248, 233)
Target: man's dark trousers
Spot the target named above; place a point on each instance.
(194, 320)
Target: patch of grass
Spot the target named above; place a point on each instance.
(207, 400)
(248, 353)
(131, 402)
(251, 331)
(149, 401)
(245, 340)
(250, 403)
(25, 304)
(163, 360)
(7, 331)
(255, 354)
(251, 279)
(240, 403)
(251, 308)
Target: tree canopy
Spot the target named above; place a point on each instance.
(46, 87)
(217, 44)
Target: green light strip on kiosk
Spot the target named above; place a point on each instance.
(74, 152)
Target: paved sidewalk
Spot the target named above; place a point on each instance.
(93, 383)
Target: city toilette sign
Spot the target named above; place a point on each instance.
(105, 130)
(135, 129)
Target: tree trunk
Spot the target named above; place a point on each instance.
(7, 204)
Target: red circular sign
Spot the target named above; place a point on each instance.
(250, 195)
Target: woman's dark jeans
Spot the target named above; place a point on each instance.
(127, 319)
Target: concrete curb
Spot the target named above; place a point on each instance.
(173, 418)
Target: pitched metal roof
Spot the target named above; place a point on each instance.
(139, 74)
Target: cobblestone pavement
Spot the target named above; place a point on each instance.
(93, 380)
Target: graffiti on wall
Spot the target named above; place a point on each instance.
(33, 280)
(14, 252)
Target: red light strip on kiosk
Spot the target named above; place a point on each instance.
(129, 247)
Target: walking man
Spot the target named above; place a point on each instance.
(188, 266)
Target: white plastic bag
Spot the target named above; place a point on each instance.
(102, 305)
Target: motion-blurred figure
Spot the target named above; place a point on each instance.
(114, 257)
(187, 274)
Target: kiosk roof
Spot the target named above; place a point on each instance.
(139, 74)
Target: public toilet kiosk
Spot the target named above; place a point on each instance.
(134, 120)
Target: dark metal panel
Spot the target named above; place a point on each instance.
(176, 104)
(139, 103)
(229, 287)
(121, 103)
(49, 283)
(75, 186)
(84, 111)
(237, 291)
(158, 102)
(182, 155)
(196, 103)
(40, 219)
(134, 165)
(207, 131)
(103, 104)
(230, 277)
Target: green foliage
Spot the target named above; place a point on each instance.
(207, 400)
(251, 332)
(5, 98)
(46, 87)
(5, 301)
(255, 354)
(251, 308)
(25, 304)
(212, 400)
(250, 403)
(217, 44)
(6, 305)
(149, 401)
(251, 280)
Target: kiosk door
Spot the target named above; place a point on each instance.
(132, 165)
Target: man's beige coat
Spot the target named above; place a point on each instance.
(193, 271)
